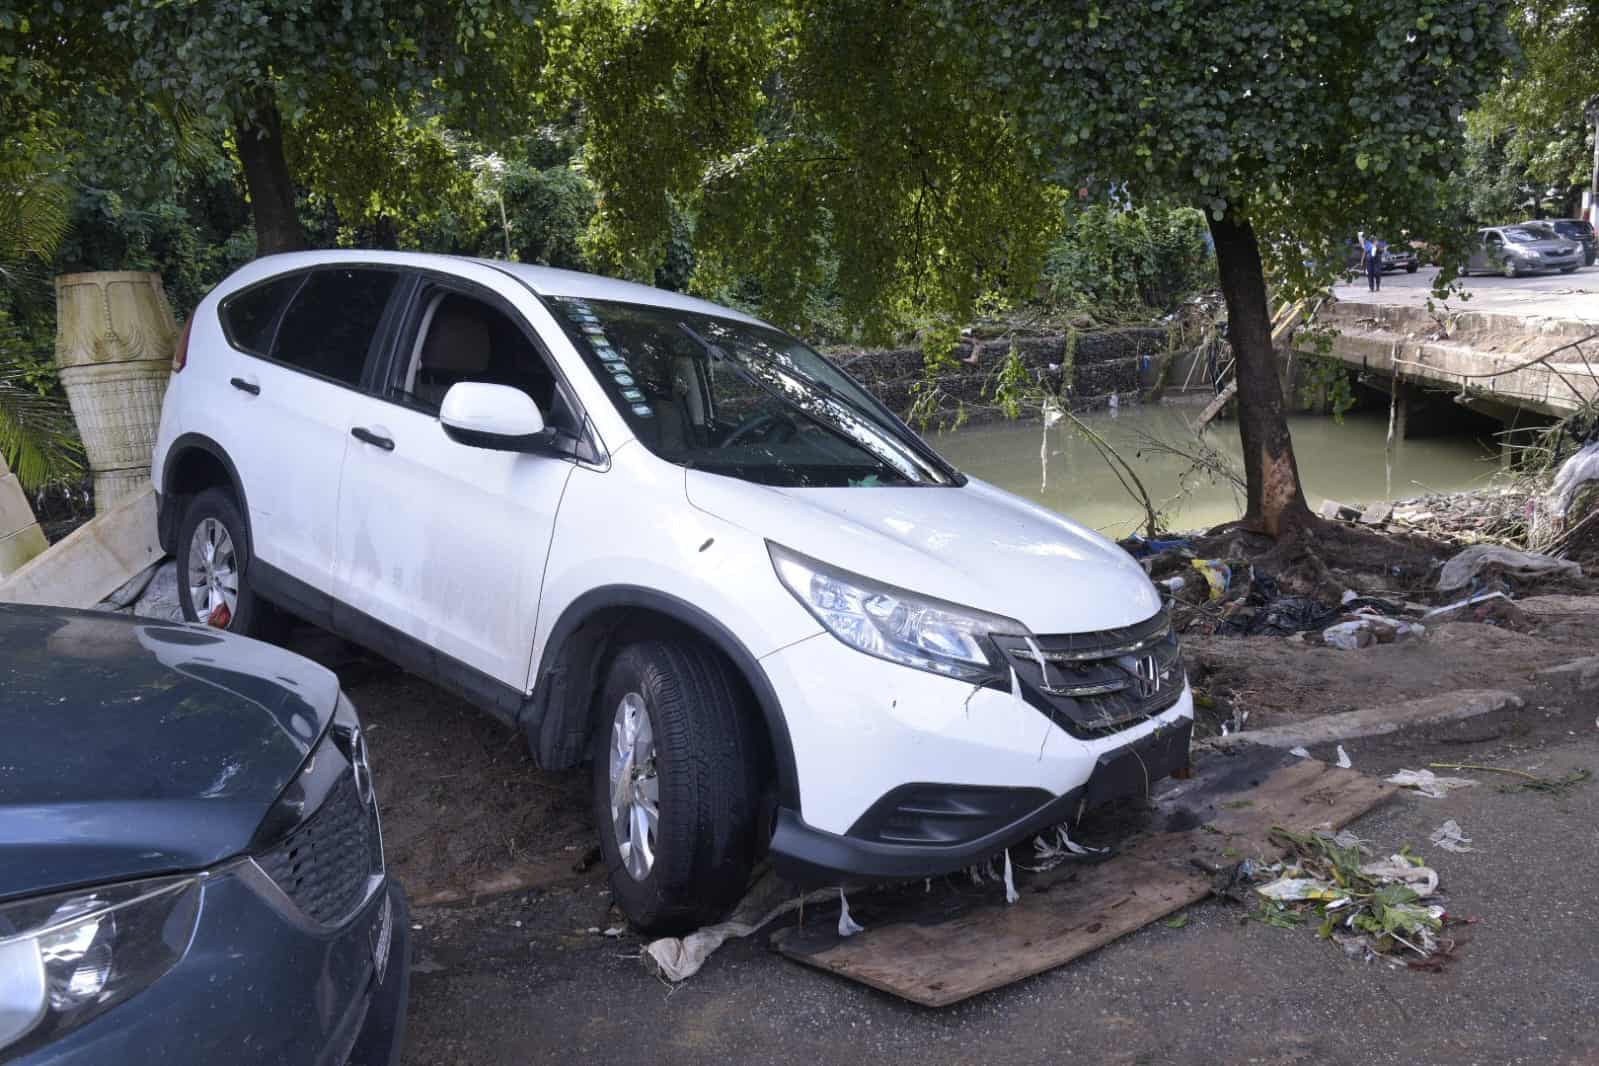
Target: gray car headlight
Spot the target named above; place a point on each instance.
(894, 623)
(68, 957)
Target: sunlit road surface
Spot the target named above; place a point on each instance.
(1568, 296)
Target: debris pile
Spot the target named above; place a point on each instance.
(1384, 908)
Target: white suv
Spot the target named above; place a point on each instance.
(662, 535)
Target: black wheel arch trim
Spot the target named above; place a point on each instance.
(534, 715)
(169, 517)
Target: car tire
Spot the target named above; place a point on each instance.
(1411, 269)
(1568, 270)
(669, 722)
(213, 559)
(1510, 269)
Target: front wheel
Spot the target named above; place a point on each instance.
(674, 785)
(1411, 269)
(1510, 268)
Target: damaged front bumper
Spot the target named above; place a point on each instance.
(927, 830)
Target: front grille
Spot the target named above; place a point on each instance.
(324, 864)
(1091, 684)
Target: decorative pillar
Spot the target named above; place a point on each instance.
(114, 341)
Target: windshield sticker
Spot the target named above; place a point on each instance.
(622, 376)
(594, 329)
(633, 395)
(643, 411)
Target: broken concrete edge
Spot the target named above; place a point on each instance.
(1373, 721)
(1584, 672)
(94, 561)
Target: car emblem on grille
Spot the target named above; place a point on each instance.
(1146, 671)
(359, 767)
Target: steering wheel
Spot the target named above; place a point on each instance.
(761, 424)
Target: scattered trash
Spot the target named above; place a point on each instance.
(613, 932)
(1218, 575)
(1369, 909)
(1428, 783)
(1581, 468)
(1555, 786)
(1302, 753)
(1344, 762)
(1450, 837)
(677, 959)
(1139, 547)
(1055, 846)
(848, 926)
(1364, 630)
(1011, 895)
(1469, 565)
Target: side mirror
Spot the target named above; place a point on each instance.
(496, 417)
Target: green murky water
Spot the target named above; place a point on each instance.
(1344, 462)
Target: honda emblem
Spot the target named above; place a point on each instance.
(1146, 671)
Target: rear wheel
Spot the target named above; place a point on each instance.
(674, 792)
(213, 559)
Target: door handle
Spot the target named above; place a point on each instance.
(246, 386)
(366, 436)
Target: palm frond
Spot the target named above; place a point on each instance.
(35, 211)
(38, 437)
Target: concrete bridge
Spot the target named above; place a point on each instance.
(1528, 356)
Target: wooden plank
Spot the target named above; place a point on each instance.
(1213, 408)
(1230, 806)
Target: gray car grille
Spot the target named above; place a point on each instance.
(324, 864)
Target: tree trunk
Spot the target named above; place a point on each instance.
(266, 176)
(1276, 499)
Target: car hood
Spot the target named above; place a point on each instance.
(1546, 245)
(132, 747)
(975, 545)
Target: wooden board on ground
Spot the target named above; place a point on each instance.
(1225, 811)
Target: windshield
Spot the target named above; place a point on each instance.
(1524, 234)
(738, 399)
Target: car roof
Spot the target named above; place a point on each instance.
(543, 280)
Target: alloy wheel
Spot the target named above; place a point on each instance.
(635, 786)
(213, 573)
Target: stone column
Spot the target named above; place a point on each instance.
(115, 336)
(20, 536)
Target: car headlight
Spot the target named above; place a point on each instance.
(895, 624)
(68, 957)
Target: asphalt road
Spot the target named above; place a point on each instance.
(520, 979)
(1568, 296)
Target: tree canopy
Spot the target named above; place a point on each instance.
(931, 143)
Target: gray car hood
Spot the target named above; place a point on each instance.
(132, 747)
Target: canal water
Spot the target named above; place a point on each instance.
(1344, 462)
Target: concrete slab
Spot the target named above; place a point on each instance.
(1374, 721)
(20, 536)
(92, 563)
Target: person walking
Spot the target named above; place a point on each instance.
(1372, 260)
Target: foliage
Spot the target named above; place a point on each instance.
(1309, 119)
(856, 152)
(1325, 378)
(1119, 263)
(37, 436)
(1537, 112)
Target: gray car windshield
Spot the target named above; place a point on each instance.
(1526, 234)
(742, 400)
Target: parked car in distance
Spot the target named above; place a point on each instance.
(191, 865)
(665, 537)
(1531, 248)
(1400, 257)
(1574, 229)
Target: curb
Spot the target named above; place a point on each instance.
(1373, 721)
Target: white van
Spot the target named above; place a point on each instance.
(666, 537)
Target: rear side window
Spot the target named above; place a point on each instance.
(250, 318)
(329, 326)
